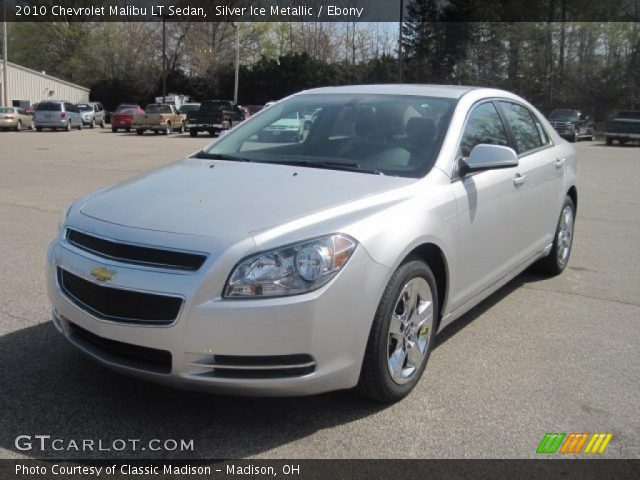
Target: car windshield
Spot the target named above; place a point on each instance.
(84, 108)
(213, 106)
(127, 111)
(191, 107)
(390, 134)
(6, 110)
(567, 115)
(629, 114)
(158, 109)
(49, 107)
(125, 107)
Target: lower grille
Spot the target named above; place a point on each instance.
(257, 366)
(125, 354)
(119, 305)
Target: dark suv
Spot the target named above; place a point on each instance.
(572, 124)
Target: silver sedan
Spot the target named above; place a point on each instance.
(324, 260)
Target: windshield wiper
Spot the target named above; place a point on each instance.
(347, 167)
(220, 156)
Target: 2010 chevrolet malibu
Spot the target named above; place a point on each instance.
(324, 258)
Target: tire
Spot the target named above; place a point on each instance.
(622, 141)
(139, 132)
(609, 141)
(193, 132)
(181, 130)
(19, 126)
(167, 130)
(127, 130)
(103, 123)
(92, 124)
(213, 133)
(114, 130)
(38, 129)
(32, 127)
(377, 381)
(68, 127)
(557, 259)
(156, 132)
(80, 126)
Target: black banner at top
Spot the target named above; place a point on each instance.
(319, 10)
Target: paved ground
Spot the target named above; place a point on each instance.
(539, 356)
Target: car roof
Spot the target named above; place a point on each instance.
(447, 91)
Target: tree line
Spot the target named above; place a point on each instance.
(586, 65)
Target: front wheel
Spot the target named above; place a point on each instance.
(139, 132)
(92, 124)
(402, 334)
(609, 141)
(19, 126)
(167, 130)
(556, 260)
(114, 129)
(193, 132)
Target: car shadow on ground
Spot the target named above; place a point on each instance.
(49, 388)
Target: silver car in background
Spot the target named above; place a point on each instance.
(56, 115)
(92, 114)
(324, 261)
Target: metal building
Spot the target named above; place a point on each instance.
(28, 86)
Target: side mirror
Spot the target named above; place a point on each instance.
(488, 157)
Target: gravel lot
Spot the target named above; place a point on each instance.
(540, 355)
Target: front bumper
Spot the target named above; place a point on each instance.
(325, 330)
(207, 126)
(624, 136)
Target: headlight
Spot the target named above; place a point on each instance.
(291, 270)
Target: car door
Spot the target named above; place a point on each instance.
(542, 170)
(488, 242)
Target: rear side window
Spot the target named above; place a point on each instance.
(49, 107)
(526, 133)
(483, 126)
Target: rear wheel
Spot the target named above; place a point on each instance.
(68, 127)
(114, 129)
(402, 334)
(39, 129)
(556, 261)
(193, 132)
(139, 132)
(92, 124)
(127, 130)
(609, 141)
(103, 123)
(33, 126)
(181, 130)
(19, 126)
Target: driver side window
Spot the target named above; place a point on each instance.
(484, 125)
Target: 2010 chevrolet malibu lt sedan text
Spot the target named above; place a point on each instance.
(319, 245)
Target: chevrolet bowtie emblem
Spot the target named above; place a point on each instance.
(102, 274)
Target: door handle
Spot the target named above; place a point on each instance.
(559, 162)
(519, 179)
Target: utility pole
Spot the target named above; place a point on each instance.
(5, 66)
(237, 74)
(164, 60)
(400, 41)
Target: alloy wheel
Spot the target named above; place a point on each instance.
(565, 234)
(410, 329)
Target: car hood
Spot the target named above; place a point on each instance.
(205, 197)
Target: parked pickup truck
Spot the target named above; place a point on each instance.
(213, 116)
(624, 127)
(572, 124)
(158, 117)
